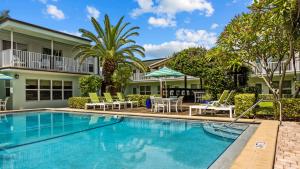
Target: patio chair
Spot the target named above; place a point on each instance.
(221, 100)
(178, 103)
(108, 99)
(159, 103)
(121, 98)
(152, 103)
(3, 104)
(95, 102)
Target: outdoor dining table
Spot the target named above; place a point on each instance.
(169, 101)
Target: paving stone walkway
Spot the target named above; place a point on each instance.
(288, 146)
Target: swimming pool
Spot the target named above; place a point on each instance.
(70, 140)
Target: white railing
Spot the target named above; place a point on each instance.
(38, 61)
(278, 68)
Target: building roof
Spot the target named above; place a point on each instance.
(10, 23)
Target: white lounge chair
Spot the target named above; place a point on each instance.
(3, 104)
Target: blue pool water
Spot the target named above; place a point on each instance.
(83, 141)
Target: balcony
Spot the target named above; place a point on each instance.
(279, 68)
(37, 61)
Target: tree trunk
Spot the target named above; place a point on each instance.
(109, 66)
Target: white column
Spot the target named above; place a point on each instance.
(11, 46)
(52, 48)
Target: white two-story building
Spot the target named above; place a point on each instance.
(41, 62)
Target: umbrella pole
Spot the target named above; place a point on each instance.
(161, 89)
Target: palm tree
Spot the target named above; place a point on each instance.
(112, 45)
(4, 14)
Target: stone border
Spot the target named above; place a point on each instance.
(227, 158)
(259, 153)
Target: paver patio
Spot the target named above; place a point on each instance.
(288, 146)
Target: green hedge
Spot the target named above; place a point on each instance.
(266, 97)
(78, 102)
(140, 98)
(290, 109)
(243, 102)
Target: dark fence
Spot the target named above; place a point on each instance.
(187, 93)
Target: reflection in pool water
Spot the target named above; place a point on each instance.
(111, 143)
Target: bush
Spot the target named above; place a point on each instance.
(266, 97)
(89, 84)
(243, 102)
(78, 102)
(140, 98)
(290, 109)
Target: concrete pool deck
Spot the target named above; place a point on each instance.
(252, 156)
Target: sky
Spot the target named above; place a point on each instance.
(166, 26)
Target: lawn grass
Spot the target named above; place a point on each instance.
(265, 109)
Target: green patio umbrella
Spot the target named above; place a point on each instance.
(163, 73)
(5, 77)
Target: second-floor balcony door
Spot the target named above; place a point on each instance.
(52, 62)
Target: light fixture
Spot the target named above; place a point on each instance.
(17, 76)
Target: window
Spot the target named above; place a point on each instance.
(134, 90)
(7, 88)
(91, 67)
(259, 87)
(56, 90)
(68, 88)
(286, 87)
(47, 51)
(18, 46)
(31, 89)
(45, 86)
(145, 90)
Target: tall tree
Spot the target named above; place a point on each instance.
(261, 40)
(112, 44)
(191, 61)
(288, 13)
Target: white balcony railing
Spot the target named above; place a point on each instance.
(278, 68)
(38, 61)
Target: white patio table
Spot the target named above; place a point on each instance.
(168, 101)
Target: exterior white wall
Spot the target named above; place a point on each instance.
(18, 100)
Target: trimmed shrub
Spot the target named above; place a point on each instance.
(78, 102)
(290, 109)
(140, 98)
(243, 102)
(268, 97)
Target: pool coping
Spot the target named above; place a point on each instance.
(250, 156)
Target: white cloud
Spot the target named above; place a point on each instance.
(167, 48)
(202, 37)
(214, 26)
(92, 12)
(172, 7)
(166, 9)
(55, 13)
(161, 22)
(185, 38)
(72, 33)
